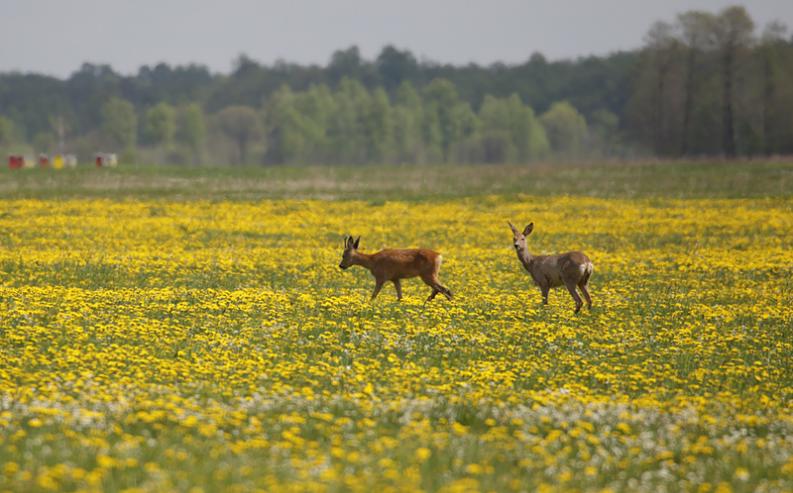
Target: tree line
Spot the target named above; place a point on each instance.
(709, 84)
(703, 84)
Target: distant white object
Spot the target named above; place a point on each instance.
(106, 160)
(70, 161)
(28, 162)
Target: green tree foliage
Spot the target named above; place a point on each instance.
(160, 125)
(191, 130)
(396, 67)
(566, 128)
(733, 31)
(120, 124)
(6, 131)
(704, 84)
(346, 126)
(240, 124)
(442, 107)
(378, 127)
(407, 121)
(510, 132)
(776, 73)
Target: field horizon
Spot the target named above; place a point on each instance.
(647, 178)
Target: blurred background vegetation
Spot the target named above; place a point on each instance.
(704, 84)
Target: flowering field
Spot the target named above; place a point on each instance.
(165, 344)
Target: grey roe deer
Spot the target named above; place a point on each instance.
(571, 269)
(396, 264)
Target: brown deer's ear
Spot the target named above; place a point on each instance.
(347, 241)
(528, 230)
(513, 228)
(357, 242)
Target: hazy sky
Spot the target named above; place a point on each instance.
(57, 36)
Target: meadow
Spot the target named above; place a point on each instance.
(166, 329)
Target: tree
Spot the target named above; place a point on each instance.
(346, 126)
(407, 118)
(566, 128)
(510, 131)
(734, 33)
(191, 129)
(378, 127)
(442, 104)
(241, 125)
(395, 67)
(604, 128)
(696, 30)
(6, 131)
(775, 108)
(294, 128)
(664, 50)
(345, 64)
(316, 108)
(160, 125)
(120, 124)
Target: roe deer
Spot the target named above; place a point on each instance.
(394, 265)
(571, 269)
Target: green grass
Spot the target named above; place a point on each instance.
(192, 329)
(703, 179)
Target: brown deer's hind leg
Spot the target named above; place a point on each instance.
(571, 287)
(444, 290)
(583, 287)
(436, 287)
(432, 295)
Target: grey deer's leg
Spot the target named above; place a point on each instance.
(585, 291)
(545, 290)
(571, 287)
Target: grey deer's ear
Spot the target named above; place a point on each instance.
(513, 228)
(527, 231)
(357, 242)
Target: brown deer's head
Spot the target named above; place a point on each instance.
(518, 238)
(350, 246)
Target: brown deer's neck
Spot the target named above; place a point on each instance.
(363, 259)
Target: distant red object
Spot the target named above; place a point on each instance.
(98, 161)
(16, 162)
(44, 160)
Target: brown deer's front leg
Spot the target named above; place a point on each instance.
(398, 286)
(544, 290)
(378, 285)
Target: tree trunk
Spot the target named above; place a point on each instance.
(688, 102)
(659, 110)
(768, 101)
(728, 123)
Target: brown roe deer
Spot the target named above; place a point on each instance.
(396, 264)
(571, 269)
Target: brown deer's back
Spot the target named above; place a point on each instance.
(398, 263)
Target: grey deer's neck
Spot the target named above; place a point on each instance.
(525, 257)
